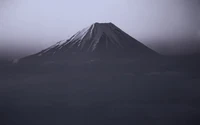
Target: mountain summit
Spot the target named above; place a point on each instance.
(98, 39)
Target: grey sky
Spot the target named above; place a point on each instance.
(32, 25)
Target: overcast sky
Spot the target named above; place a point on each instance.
(27, 26)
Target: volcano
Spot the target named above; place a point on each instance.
(98, 40)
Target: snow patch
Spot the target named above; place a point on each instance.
(88, 39)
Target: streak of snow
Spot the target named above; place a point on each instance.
(88, 38)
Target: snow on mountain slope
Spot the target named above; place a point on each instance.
(97, 37)
(100, 40)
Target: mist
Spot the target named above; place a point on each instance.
(167, 26)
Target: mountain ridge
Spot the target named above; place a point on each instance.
(97, 39)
